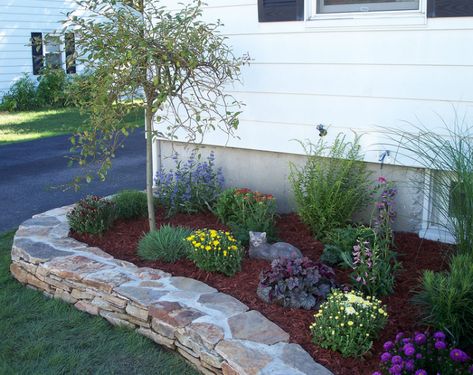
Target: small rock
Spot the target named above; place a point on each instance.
(242, 359)
(223, 302)
(187, 284)
(87, 307)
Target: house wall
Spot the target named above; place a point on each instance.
(360, 75)
(18, 19)
(347, 77)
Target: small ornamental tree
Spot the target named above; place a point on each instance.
(169, 63)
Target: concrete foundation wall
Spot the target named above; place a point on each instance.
(268, 172)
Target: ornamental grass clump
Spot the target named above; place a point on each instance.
(296, 283)
(244, 210)
(92, 215)
(193, 186)
(131, 204)
(422, 354)
(215, 251)
(348, 323)
(167, 244)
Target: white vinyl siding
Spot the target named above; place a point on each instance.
(357, 77)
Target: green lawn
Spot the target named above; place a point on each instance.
(42, 336)
(26, 126)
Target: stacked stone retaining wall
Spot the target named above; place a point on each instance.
(214, 331)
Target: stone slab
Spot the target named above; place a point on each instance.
(243, 359)
(140, 295)
(187, 284)
(35, 251)
(223, 303)
(253, 326)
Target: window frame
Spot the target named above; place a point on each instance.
(345, 7)
(374, 18)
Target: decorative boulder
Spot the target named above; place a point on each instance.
(260, 249)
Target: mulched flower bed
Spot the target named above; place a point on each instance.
(414, 253)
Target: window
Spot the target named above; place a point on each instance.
(49, 50)
(52, 51)
(347, 6)
(293, 10)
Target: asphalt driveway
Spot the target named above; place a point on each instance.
(29, 171)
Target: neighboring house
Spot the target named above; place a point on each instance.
(26, 39)
(349, 65)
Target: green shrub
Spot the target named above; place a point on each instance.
(77, 91)
(21, 96)
(92, 215)
(215, 251)
(332, 186)
(244, 210)
(131, 204)
(167, 244)
(348, 323)
(446, 298)
(51, 88)
(339, 243)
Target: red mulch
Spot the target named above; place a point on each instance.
(414, 253)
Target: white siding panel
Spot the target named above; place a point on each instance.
(360, 78)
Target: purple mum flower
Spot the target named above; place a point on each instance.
(396, 360)
(439, 336)
(388, 345)
(395, 370)
(421, 372)
(458, 355)
(420, 339)
(399, 336)
(440, 345)
(410, 365)
(386, 356)
(406, 340)
(409, 350)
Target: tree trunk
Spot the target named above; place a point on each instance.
(149, 168)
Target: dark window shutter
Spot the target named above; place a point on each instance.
(280, 10)
(450, 8)
(70, 49)
(37, 52)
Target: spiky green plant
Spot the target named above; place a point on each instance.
(168, 244)
(446, 298)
